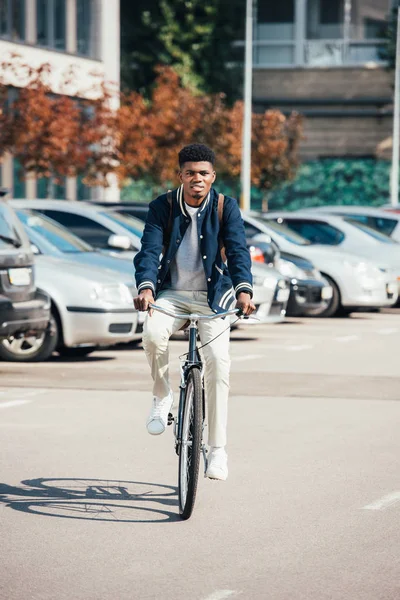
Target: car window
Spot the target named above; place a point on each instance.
(317, 232)
(53, 232)
(377, 235)
(383, 224)
(89, 230)
(135, 226)
(286, 233)
(9, 235)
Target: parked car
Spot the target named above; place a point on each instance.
(51, 238)
(376, 218)
(89, 308)
(356, 282)
(24, 309)
(94, 224)
(310, 293)
(343, 233)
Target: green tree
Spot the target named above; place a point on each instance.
(195, 37)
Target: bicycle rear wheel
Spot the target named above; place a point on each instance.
(190, 449)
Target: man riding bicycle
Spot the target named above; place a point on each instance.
(188, 235)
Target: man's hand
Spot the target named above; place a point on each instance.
(245, 303)
(142, 301)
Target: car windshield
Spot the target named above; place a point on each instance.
(8, 228)
(285, 232)
(133, 225)
(377, 235)
(53, 232)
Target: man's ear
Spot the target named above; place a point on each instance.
(180, 176)
(214, 176)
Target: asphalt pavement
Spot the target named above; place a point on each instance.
(88, 500)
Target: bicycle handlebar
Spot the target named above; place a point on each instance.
(193, 316)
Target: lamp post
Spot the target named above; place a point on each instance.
(394, 179)
(246, 136)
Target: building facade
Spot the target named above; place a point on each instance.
(324, 59)
(83, 34)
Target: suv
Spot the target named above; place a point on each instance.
(24, 310)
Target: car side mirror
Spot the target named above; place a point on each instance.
(120, 242)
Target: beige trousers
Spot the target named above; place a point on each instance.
(156, 333)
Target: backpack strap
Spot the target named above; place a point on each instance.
(221, 199)
(168, 231)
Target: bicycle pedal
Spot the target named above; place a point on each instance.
(170, 419)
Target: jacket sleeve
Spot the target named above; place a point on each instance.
(147, 259)
(238, 255)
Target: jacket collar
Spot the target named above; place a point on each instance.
(181, 202)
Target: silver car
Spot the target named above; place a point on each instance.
(356, 281)
(89, 308)
(383, 221)
(102, 229)
(344, 234)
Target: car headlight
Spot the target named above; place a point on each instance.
(112, 294)
(267, 282)
(289, 269)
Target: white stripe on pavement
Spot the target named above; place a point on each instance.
(346, 338)
(220, 594)
(387, 331)
(248, 357)
(384, 502)
(14, 403)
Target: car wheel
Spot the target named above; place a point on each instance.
(31, 348)
(334, 306)
(76, 352)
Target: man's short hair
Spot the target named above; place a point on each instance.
(196, 153)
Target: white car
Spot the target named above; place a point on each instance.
(342, 233)
(90, 307)
(102, 229)
(356, 282)
(383, 221)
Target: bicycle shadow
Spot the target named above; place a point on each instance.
(93, 499)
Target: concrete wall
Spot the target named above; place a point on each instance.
(336, 127)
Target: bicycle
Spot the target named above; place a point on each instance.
(189, 422)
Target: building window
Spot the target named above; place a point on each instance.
(49, 188)
(84, 27)
(325, 19)
(275, 26)
(327, 33)
(12, 19)
(19, 184)
(51, 23)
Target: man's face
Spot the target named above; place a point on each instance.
(197, 179)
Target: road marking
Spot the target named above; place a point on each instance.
(384, 502)
(249, 357)
(346, 338)
(220, 594)
(14, 403)
(387, 331)
(298, 348)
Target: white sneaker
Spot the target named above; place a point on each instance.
(158, 418)
(217, 464)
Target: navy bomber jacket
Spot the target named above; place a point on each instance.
(153, 262)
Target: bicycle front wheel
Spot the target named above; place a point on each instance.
(190, 450)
